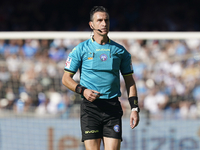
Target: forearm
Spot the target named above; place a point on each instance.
(131, 90)
(133, 100)
(130, 86)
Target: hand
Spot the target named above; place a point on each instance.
(134, 118)
(91, 95)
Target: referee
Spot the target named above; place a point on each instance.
(99, 60)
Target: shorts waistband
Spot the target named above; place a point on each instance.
(100, 99)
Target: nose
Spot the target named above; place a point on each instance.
(104, 23)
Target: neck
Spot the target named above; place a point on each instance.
(101, 39)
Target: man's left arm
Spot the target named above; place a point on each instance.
(133, 99)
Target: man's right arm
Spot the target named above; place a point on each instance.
(69, 82)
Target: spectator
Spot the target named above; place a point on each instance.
(4, 73)
(155, 102)
(30, 48)
(55, 102)
(13, 59)
(12, 48)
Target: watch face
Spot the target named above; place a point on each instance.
(79, 90)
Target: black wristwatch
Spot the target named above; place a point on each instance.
(80, 89)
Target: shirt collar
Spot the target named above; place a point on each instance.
(92, 39)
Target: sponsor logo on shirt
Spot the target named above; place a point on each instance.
(103, 57)
(68, 62)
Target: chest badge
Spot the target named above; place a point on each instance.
(103, 57)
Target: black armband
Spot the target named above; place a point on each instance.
(80, 89)
(133, 101)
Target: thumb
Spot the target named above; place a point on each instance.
(95, 92)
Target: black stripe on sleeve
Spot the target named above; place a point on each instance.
(127, 73)
(70, 71)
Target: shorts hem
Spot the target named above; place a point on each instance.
(113, 138)
(91, 139)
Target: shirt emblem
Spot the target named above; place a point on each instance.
(68, 62)
(103, 57)
(116, 128)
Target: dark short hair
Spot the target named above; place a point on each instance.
(97, 9)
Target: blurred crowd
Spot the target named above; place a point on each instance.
(167, 74)
(30, 75)
(126, 15)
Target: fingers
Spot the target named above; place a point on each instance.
(134, 119)
(131, 123)
(95, 92)
(91, 95)
(135, 124)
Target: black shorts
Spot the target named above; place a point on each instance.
(101, 118)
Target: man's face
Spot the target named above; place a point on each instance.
(101, 21)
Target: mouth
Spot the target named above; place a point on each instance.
(104, 29)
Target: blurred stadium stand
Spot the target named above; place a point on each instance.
(166, 73)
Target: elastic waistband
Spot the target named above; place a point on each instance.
(112, 99)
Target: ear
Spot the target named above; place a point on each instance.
(91, 25)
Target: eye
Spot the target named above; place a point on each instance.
(99, 20)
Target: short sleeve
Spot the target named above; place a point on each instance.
(73, 61)
(126, 64)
